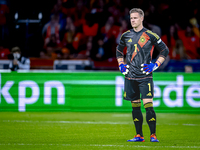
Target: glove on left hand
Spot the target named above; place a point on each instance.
(149, 68)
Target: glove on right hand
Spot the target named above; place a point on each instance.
(124, 68)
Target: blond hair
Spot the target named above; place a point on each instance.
(137, 10)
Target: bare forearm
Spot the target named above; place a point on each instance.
(160, 60)
(120, 60)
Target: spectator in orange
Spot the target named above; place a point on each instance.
(79, 13)
(195, 25)
(90, 28)
(52, 46)
(73, 37)
(107, 29)
(69, 34)
(79, 41)
(51, 28)
(191, 42)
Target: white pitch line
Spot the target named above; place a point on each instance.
(92, 122)
(190, 124)
(122, 115)
(67, 122)
(101, 145)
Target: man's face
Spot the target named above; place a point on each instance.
(16, 55)
(136, 19)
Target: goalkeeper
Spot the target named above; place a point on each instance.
(140, 43)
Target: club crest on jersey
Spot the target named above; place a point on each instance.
(143, 39)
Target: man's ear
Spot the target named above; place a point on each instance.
(142, 18)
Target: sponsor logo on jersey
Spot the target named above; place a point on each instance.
(152, 119)
(130, 40)
(149, 94)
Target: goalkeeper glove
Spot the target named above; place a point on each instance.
(123, 68)
(149, 68)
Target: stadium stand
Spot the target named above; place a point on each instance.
(86, 29)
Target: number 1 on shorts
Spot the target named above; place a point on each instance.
(149, 84)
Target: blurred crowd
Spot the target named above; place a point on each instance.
(91, 29)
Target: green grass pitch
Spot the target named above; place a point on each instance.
(92, 131)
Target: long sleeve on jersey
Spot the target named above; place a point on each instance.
(159, 44)
(120, 48)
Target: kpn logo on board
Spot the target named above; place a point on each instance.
(23, 100)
